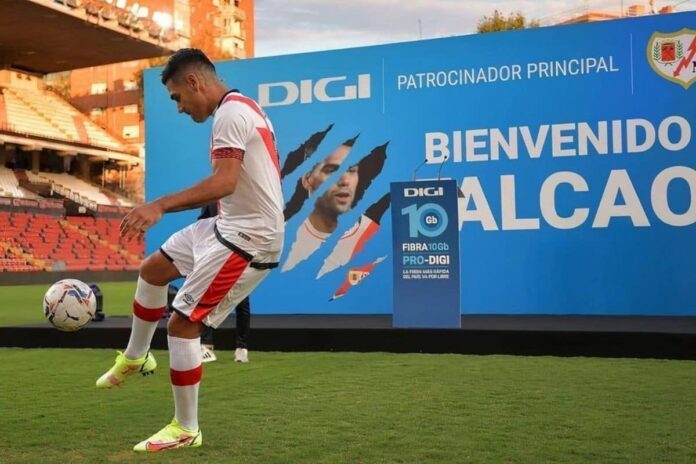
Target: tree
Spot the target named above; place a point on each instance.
(498, 22)
(140, 79)
(59, 83)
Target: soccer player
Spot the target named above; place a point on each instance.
(223, 258)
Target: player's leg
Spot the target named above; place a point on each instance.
(150, 302)
(237, 280)
(205, 287)
(185, 370)
(243, 317)
(173, 260)
(148, 306)
(215, 273)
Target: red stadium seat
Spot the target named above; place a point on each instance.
(82, 243)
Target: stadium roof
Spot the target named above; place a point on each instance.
(42, 36)
(27, 143)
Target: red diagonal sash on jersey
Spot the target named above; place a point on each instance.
(265, 133)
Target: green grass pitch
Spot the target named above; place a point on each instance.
(356, 408)
(367, 408)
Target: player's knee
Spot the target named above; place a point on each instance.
(179, 326)
(148, 272)
(151, 272)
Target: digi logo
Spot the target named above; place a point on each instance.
(328, 89)
(423, 192)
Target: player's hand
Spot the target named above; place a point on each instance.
(141, 218)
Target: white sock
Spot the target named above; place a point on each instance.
(148, 307)
(185, 370)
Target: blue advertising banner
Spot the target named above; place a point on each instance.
(425, 231)
(572, 147)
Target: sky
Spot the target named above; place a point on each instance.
(296, 26)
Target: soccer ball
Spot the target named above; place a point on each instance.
(69, 305)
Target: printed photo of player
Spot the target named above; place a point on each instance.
(314, 178)
(338, 199)
(355, 238)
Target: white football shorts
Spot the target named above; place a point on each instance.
(217, 278)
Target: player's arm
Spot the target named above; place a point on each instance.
(221, 183)
(230, 134)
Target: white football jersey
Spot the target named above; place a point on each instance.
(252, 216)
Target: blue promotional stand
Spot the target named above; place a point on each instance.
(425, 241)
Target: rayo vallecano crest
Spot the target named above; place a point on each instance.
(673, 56)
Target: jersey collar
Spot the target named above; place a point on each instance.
(223, 98)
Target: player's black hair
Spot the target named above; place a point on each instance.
(182, 59)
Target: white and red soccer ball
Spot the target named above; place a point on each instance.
(69, 305)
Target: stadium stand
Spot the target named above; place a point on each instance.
(77, 190)
(33, 240)
(77, 186)
(3, 111)
(106, 232)
(13, 258)
(39, 242)
(9, 185)
(23, 119)
(13, 263)
(40, 112)
(42, 134)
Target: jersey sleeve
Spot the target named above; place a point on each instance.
(231, 131)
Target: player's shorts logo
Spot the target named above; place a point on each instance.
(673, 56)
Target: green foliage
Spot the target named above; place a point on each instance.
(59, 83)
(370, 408)
(139, 77)
(498, 22)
